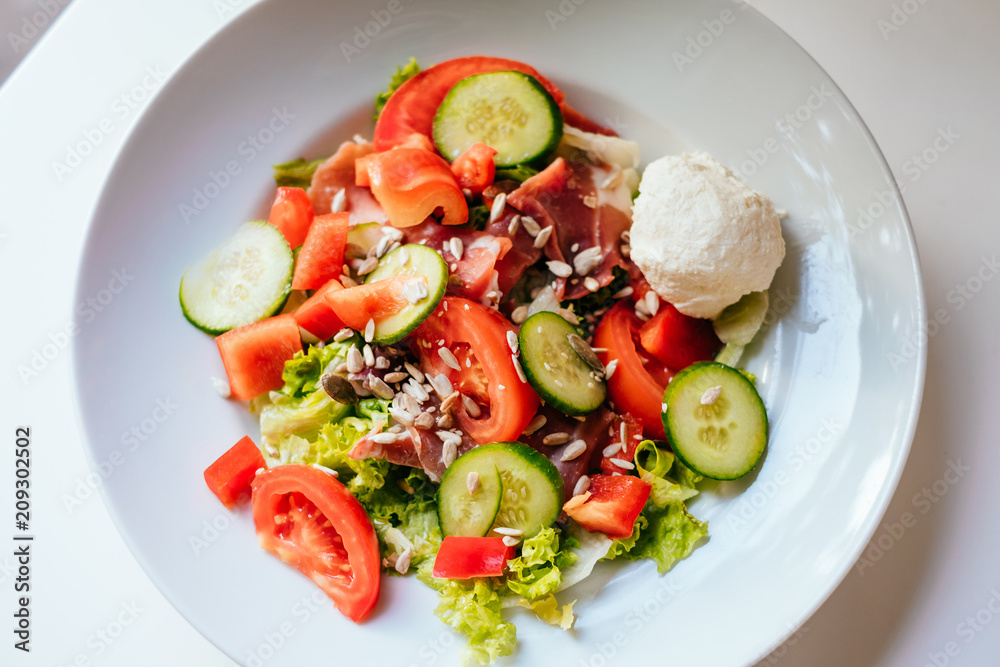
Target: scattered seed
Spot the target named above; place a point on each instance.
(511, 541)
(367, 266)
(339, 203)
(384, 438)
(398, 376)
(339, 388)
(626, 236)
(612, 449)
(575, 247)
(471, 407)
(328, 471)
(609, 370)
(558, 438)
(355, 360)
(403, 561)
(370, 330)
(591, 284)
(424, 420)
(449, 452)
(448, 358)
(368, 354)
(382, 363)
(622, 463)
(569, 316)
(222, 387)
(586, 352)
(590, 201)
(652, 300)
(573, 450)
(383, 245)
(472, 482)
(467, 193)
(515, 222)
(535, 424)
(343, 334)
(414, 371)
(449, 403)
(530, 225)
(445, 421)
(560, 269)
(582, 485)
(626, 250)
(416, 390)
(498, 205)
(380, 388)
(519, 314)
(347, 281)
(402, 416)
(457, 247)
(512, 341)
(711, 395)
(404, 257)
(588, 260)
(622, 293)
(508, 532)
(543, 237)
(340, 369)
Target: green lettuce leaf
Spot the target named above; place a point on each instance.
(671, 480)
(473, 608)
(296, 173)
(537, 572)
(403, 74)
(302, 372)
(666, 535)
(548, 610)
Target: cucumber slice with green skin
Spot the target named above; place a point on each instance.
(469, 514)
(555, 369)
(508, 111)
(244, 280)
(415, 260)
(366, 235)
(532, 491)
(723, 439)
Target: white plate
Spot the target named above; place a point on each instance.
(842, 406)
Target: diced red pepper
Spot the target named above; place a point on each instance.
(292, 214)
(474, 169)
(611, 505)
(230, 476)
(322, 256)
(626, 452)
(678, 340)
(254, 355)
(467, 557)
(316, 316)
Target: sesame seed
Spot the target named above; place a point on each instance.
(652, 300)
(543, 237)
(471, 407)
(498, 205)
(369, 355)
(582, 485)
(472, 482)
(535, 424)
(573, 450)
(343, 334)
(355, 361)
(339, 203)
(414, 371)
(448, 358)
(560, 269)
(370, 330)
(512, 341)
(508, 532)
(517, 367)
(519, 314)
(221, 387)
(609, 370)
(511, 541)
(456, 246)
(515, 222)
(591, 284)
(711, 395)
(367, 266)
(559, 438)
(622, 463)
(530, 225)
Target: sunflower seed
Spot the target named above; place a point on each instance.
(339, 203)
(498, 205)
(626, 250)
(515, 222)
(383, 245)
(424, 421)
(575, 247)
(368, 354)
(573, 450)
(517, 367)
(569, 315)
(449, 452)
(591, 284)
(588, 260)
(328, 471)
(382, 363)
(370, 330)
(271, 451)
(652, 300)
(467, 193)
(393, 378)
(610, 369)
(384, 438)
(445, 421)
(472, 482)
(512, 341)
(622, 463)
(441, 385)
(590, 201)
(519, 314)
(414, 371)
(586, 352)
(612, 449)
(402, 416)
(367, 266)
(508, 532)
(380, 388)
(711, 395)
(511, 541)
(448, 358)
(404, 257)
(582, 485)
(626, 236)
(347, 281)
(543, 237)
(530, 225)
(560, 269)
(343, 334)
(339, 389)
(471, 407)
(341, 369)
(355, 360)
(449, 403)
(559, 438)
(457, 247)
(222, 387)
(535, 424)
(622, 293)
(416, 390)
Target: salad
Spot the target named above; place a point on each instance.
(483, 349)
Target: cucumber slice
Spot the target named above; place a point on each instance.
(740, 322)
(532, 491)
(415, 260)
(508, 111)
(554, 367)
(721, 440)
(245, 279)
(366, 235)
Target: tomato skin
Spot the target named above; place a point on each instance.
(410, 184)
(255, 354)
(370, 301)
(573, 117)
(633, 427)
(412, 107)
(229, 477)
(632, 389)
(466, 324)
(292, 214)
(321, 258)
(468, 557)
(307, 518)
(678, 340)
(316, 316)
(611, 505)
(474, 169)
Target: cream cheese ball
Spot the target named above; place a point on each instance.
(701, 237)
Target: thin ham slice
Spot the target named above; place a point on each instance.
(593, 430)
(336, 174)
(567, 196)
(472, 275)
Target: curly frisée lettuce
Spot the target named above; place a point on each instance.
(666, 535)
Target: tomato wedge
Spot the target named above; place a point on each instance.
(467, 557)
(477, 336)
(611, 505)
(410, 184)
(292, 214)
(678, 340)
(316, 316)
(474, 169)
(632, 388)
(230, 476)
(255, 354)
(370, 301)
(322, 256)
(308, 519)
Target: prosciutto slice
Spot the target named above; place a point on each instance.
(588, 211)
(472, 275)
(594, 431)
(336, 174)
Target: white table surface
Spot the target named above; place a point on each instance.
(915, 70)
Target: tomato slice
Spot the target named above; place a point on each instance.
(632, 388)
(611, 505)
(410, 184)
(308, 519)
(678, 340)
(632, 428)
(370, 301)
(477, 336)
(474, 169)
(255, 354)
(292, 213)
(321, 258)
(467, 557)
(413, 106)
(230, 476)
(316, 316)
